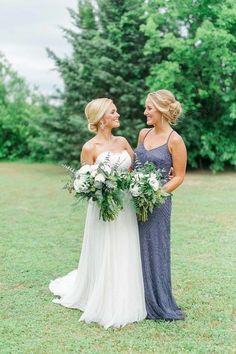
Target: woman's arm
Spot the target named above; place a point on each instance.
(179, 158)
(129, 149)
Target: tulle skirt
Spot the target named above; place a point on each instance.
(108, 284)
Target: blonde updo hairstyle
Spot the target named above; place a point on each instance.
(94, 112)
(164, 101)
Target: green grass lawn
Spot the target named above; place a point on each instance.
(41, 235)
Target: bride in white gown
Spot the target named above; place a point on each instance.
(108, 284)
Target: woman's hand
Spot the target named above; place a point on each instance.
(171, 174)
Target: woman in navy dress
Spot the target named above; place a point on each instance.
(165, 148)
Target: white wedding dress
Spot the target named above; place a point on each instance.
(108, 284)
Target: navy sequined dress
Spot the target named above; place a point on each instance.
(155, 245)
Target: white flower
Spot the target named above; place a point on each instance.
(79, 185)
(93, 167)
(98, 185)
(100, 178)
(154, 183)
(138, 176)
(84, 169)
(93, 170)
(94, 173)
(152, 176)
(83, 178)
(135, 191)
(106, 169)
(77, 174)
(111, 184)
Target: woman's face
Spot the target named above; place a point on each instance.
(152, 114)
(111, 117)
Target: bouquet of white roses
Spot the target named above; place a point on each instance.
(146, 190)
(103, 184)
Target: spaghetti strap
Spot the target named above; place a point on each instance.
(147, 134)
(169, 136)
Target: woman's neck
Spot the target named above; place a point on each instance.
(105, 135)
(162, 127)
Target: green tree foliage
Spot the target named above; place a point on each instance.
(193, 47)
(121, 22)
(106, 61)
(20, 113)
(124, 49)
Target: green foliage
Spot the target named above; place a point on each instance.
(20, 114)
(63, 134)
(193, 46)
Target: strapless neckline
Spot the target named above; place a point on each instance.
(113, 153)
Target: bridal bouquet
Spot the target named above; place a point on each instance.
(145, 188)
(103, 184)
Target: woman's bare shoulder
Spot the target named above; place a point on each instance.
(176, 144)
(176, 138)
(121, 139)
(142, 134)
(87, 155)
(89, 145)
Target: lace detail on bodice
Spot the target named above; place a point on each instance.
(121, 159)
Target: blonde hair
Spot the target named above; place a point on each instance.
(164, 101)
(94, 112)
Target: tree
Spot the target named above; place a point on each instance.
(20, 109)
(193, 47)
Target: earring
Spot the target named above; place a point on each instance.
(102, 125)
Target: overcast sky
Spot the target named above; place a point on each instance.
(27, 27)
